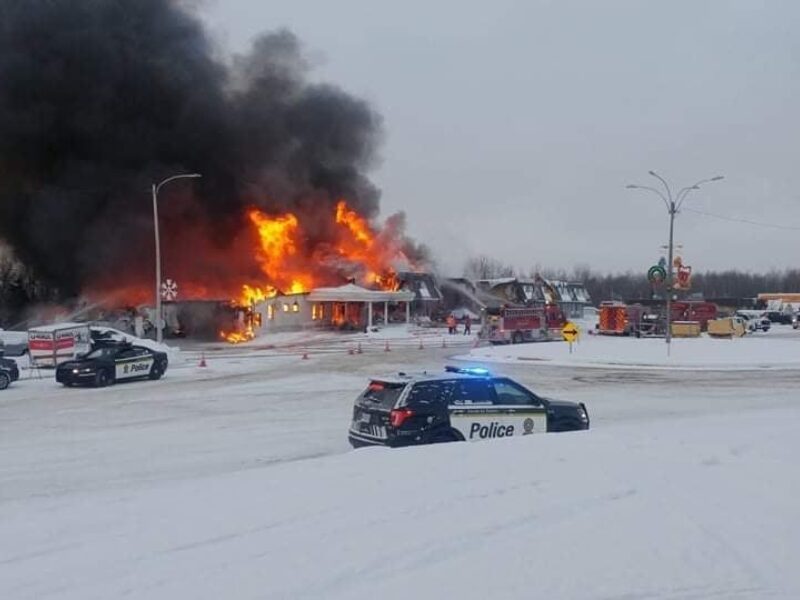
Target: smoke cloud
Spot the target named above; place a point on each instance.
(101, 98)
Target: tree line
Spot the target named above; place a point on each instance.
(628, 285)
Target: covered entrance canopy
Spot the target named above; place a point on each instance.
(352, 293)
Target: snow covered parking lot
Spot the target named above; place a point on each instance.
(237, 481)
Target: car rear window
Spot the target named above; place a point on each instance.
(430, 392)
(382, 393)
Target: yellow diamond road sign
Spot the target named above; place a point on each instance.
(570, 332)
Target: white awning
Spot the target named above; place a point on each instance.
(354, 293)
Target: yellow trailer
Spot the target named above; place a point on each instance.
(686, 329)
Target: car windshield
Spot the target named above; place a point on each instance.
(382, 393)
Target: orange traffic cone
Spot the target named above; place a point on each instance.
(386, 347)
(202, 360)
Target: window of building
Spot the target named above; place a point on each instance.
(295, 307)
(270, 311)
(318, 311)
(285, 307)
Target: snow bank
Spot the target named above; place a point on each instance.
(749, 352)
(688, 508)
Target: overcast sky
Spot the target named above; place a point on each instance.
(512, 128)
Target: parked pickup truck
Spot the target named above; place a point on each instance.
(755, 320)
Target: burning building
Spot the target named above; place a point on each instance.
(348, 307)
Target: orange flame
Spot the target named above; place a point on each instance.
(290, 266)
(278, 237)
(357, 225)
(236, 337)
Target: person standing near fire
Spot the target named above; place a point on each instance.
(467, 325)
(451, 324)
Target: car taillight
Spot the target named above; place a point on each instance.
(399, 415)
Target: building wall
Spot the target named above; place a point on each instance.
(292, 312)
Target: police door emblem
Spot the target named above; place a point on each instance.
(527, 426)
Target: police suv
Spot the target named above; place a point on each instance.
(112, 362)
(459, 404)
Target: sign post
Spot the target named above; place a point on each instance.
(570, 332)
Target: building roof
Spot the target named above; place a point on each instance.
(354, 293)
(570, 291)
(423, 285)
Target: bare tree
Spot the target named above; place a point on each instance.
(484, 267)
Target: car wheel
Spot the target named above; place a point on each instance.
(516, 338)
(101, 378)
(157, 371)
(5, 380)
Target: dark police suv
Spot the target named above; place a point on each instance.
(459, 404)
(112, 362)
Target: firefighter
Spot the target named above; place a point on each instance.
(451, 324)
(467, 325)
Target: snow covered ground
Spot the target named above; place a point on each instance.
(236, 481)
(774, 350)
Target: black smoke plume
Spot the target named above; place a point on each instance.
(101, 98)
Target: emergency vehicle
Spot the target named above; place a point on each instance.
(515, 325)
(113, 362)
(461, 404)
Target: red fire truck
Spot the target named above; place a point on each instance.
(514, 325)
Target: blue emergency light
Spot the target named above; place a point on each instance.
(467, 370)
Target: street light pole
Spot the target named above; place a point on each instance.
(156, 188)
(673, 206)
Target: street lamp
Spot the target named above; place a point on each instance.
(673, 206)
(156, 188)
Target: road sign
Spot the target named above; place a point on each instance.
(169, 290)
(570, 332)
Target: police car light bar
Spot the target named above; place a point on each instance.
(467, 370)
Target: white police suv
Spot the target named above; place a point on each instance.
(459, 404)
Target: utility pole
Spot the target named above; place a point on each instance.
(673, 207)
(156, 187)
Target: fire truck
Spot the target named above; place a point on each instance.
(618, 318)
(515, 325)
